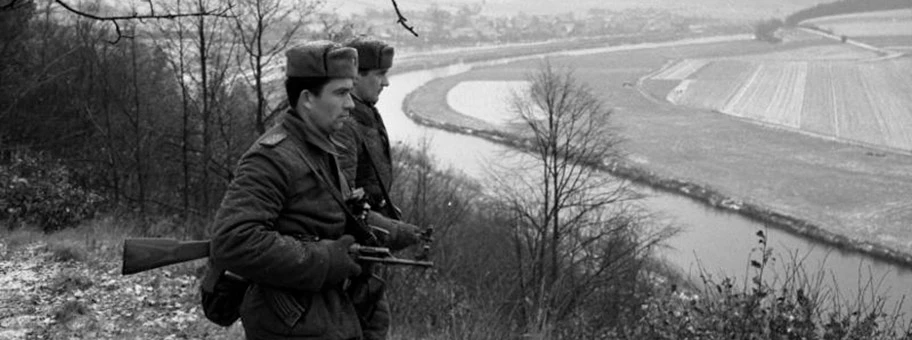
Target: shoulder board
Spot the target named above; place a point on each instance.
(273, 139)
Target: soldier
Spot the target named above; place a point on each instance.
(365, 161)
(278, 225)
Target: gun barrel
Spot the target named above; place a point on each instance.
(142, 254)
(394, 260)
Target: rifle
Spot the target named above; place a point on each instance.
(142, 254)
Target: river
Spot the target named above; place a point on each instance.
(719, 242)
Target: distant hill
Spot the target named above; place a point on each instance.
(845, 7)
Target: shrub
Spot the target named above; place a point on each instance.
(69, 311)
(427, 305)
(67, 250)
(795, 309)
(40, 191)
(766, 30)
(70, 280)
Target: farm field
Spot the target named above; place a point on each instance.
(856, 101)
(712, 86)
(881, 23)
(901, 43)
(500, 104)
(828, 51)
(773, 94)
(848, 189)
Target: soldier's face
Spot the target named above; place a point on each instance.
(370, 84)
(328, 110)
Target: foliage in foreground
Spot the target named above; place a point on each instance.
(796, 308)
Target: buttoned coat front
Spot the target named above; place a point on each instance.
(266, 230)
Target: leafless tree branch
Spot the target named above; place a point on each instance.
(402, 20)
(11, 5)
(114, 19)
(221, 12)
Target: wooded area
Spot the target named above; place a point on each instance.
(153, 123)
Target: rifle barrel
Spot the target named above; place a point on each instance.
(393, 260)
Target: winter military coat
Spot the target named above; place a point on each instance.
(363, 133)
(267, 230)
(365, 125)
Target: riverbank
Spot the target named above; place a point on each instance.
(707, 194)
(701, 193)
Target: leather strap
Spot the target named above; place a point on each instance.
(390, 208)
(361, 234)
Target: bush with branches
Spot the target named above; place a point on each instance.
(796, 308)
(37, 190)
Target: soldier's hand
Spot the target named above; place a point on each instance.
(406, 236)
(399, 235)
(341, 263)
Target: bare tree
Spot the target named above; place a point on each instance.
(573, 227)
(150, 12)
(202, 53)
(265, 27)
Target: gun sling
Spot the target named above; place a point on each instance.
(391, 209)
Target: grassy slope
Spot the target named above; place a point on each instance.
(845, 189)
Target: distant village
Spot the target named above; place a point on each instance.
(467, 26)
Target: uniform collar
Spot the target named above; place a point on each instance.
(359, 100)
(303, 129)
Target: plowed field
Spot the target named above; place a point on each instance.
(713, 85)
(856, 101)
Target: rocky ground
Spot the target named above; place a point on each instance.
(49, 291)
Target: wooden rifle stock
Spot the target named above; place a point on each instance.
(142, 254)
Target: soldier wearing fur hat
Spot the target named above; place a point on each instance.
(278, 225)
(366, 162)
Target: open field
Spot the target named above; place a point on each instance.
(882, 23)
(854, 101)
(901, 43)
(681, 70)
(712, 87)
(850, 190)
(817, 52)
(772, 94)
(501, 104)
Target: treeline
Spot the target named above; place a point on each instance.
(845, 7)
(766, 30)
(149, 116)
